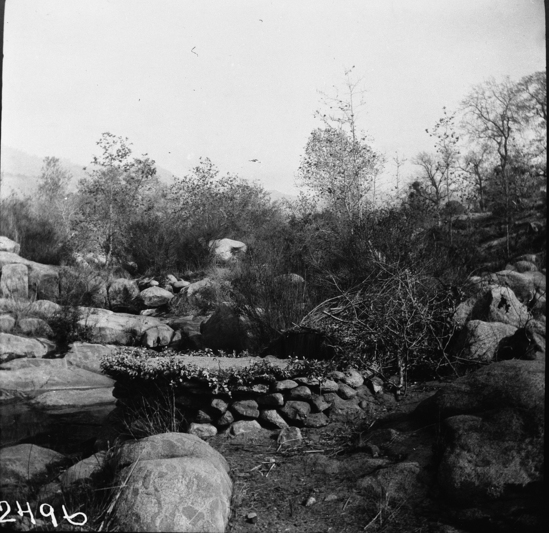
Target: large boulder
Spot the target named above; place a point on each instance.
(523, 284)
(37, 375)
(227, 249)
(494, 431)
(177, 483)
(44, 308)
(83, 470)
(14, 347)
(225, 330)
(35, 327)
(22, 465)
(500, 305)
(119, 328)
(479, 341)
(203, 294)
(155, 296)
(121, 293)
(88, 356)
(7, 245)
(43, 279)
(76, 397)
(14, 282)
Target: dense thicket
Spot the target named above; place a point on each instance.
(489, 155)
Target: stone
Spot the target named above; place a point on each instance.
(14, 347)
(155, 296)
(377, 385)
(218, 406)
(245, 426)
(224, 330)
(7, 245)
(121, 293)
(44, 308)
(35, 327)
(463, 312)
(339, 406)
(346, 392)
(202, 417)
(353, 378)
(479, 340)
(7, 323)
(227, 249)
(202, 294)
(71, 398)
(23, 464)
(181, 284)
(274, 399)
(43, 280)
(118, 328)
(400, 482)
(204, 431)
(494, 438)
(290, 436)
(157, 336)
(525, 343)
(33, 375)
(295, 412)
(300, 393)
(337, 375)
(525, 266)
(316, 420)
(83, 470)
(523, 284)
(168, 446)
(329, 386)
(284, 385)
(246, 408)
(272, 418)
(183, 494)
(14, 282)
(500, 305)
(318, 403)
(226, 419)
(88, 356)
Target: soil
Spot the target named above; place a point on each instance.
(315, 486)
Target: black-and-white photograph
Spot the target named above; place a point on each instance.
(273, 266)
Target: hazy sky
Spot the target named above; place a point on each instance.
(235, 80)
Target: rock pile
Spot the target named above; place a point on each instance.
(298, 402)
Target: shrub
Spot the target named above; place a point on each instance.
(82, 286)
(395, 320)
(67, 326)
(149, 371)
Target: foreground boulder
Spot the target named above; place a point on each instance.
(494, 431)
(173, 482)
(22, 465)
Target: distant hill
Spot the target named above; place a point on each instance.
(21, 172)
(277, 195)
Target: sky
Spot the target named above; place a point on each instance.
(236, 80)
